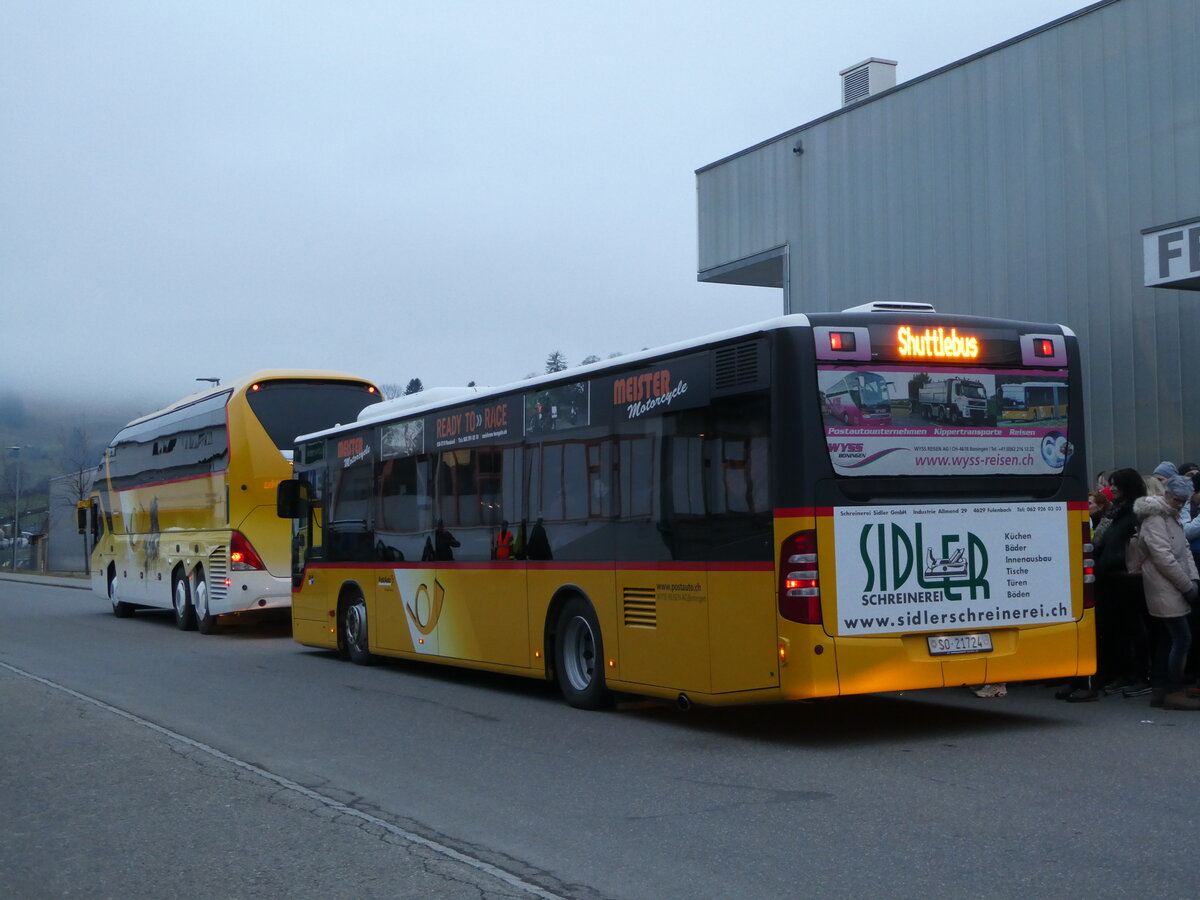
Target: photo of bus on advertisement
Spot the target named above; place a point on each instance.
(894, 420)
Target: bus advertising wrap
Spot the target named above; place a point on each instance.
(681, 384)
(901, 420)
(951, 567)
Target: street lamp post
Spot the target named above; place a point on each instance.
(16, 535)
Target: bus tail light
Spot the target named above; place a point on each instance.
(799, 580)
(842, 340)
(1089, 568)
(242, 556)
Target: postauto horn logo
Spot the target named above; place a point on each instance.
(894, 557)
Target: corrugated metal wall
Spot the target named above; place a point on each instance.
(1015, 183)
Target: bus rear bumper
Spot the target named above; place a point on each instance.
(1030, 653)
(248, 591)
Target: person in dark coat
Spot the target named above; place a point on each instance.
(539, 545)
(1123, 637)
(443, 543)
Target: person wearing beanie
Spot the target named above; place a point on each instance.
(1165, 470)
(1172, 585)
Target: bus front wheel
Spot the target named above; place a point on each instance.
(206, 622)
(580, 656)
(185, 613)
(354, 631)
(120, 608)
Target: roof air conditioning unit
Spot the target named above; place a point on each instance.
(868, 77)
(893, 306)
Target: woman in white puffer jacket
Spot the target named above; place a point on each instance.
(1170, 578)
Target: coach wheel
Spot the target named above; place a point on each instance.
(580, 656)
(120, 608)
(185, 613)
(354, 631)
(206, 622)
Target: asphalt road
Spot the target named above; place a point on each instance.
(140, 761)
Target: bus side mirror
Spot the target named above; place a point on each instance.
(81, 515)
(291, 499)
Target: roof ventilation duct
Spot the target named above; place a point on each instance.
(868, 77)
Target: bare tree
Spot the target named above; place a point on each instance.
(390, 390)
(10, 493)
(77, 457)
(589, 359)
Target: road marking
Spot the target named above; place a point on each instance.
(507, 877)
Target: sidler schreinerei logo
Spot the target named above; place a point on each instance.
(894, 557)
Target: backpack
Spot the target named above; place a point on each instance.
(1135, 553)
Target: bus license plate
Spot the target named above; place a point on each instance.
(951, 644)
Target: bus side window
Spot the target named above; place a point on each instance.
(738, 500)
(349, 522)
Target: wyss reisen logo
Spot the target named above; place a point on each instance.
(945, 568)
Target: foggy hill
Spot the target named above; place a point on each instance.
(56, 435)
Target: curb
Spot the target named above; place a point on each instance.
(80, 582)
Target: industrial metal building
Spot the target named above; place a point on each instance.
(1055, 176)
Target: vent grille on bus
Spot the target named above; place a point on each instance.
(217, 573)
(641, 608)
(736, 366)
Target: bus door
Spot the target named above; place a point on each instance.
(299, 500)
(479, 589)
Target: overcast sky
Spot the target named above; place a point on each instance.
(443, 190)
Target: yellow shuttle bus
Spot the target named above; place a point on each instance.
(696, 523)
(182, 514)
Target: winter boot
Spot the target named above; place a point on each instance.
(1181, 700)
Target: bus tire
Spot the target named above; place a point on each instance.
(579, 654)
(354, 633)
(181, 600)
(206, 622)
(120, 608)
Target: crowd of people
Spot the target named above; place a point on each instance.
(1146, 540)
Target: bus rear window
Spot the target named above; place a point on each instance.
(886, 419)
(290, 408)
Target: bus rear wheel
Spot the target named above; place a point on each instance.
(579, 653)
(120, 608)
(354, 631)
(185, 613)
(206, 622)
